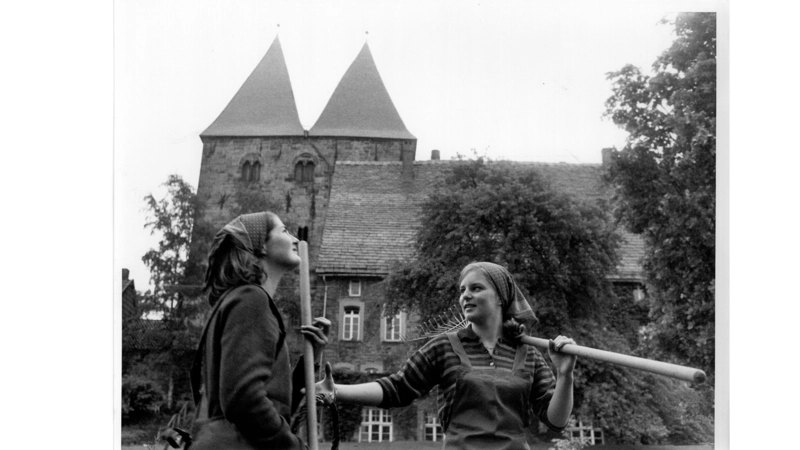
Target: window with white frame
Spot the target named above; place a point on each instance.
(393, 327)
(351, 323)
(585, 432)
(351, 319)
(355, 288)
(376, 425)
(433, 429)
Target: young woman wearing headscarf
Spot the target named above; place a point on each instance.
(488, 382)
(241, 378)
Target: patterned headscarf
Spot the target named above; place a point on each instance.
(249, 229)
(248, 232)
(515, 305)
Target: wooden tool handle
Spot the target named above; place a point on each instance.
(648, 365)
(308, 360)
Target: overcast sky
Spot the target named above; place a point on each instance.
(514, 80)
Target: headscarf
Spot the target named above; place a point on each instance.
(514, 304)
(248, 232)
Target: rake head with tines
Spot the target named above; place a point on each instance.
(451, 319)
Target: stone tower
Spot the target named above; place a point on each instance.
(257, 156)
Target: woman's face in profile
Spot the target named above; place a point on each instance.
(478, 299)
(281, 247)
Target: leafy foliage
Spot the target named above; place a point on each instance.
(558, 248)
(567, 443)
(172, 218)
(140, 397)
(665, 179)
(174, 301)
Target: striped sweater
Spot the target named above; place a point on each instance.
(436, 364)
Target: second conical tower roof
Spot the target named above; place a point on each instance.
(360, 106)
(264, 105)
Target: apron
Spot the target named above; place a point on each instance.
(491, 406)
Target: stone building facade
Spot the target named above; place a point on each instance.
(353, 187)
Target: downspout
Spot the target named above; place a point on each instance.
(324, 314)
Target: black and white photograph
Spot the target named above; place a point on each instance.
(459, 224)
(398, 225)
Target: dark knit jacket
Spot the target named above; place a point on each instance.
(246, 372)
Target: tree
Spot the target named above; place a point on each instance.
(174, 300)
(559, 249)
(665, 180)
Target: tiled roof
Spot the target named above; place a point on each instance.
(372, 216)
(264, 105)
(142, 334)
(373, 213)
(361, 106)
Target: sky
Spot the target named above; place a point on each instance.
(512, 80)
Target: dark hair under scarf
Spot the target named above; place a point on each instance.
(515, 305)
(233, 258)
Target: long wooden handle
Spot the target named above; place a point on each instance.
(648, 365)
(308, 360)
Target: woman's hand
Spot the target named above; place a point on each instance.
(563, 363)
(326, 389)
(317, 333)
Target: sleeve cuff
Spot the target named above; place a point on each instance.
(551, 426)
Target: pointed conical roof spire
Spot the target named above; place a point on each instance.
(360, 106)
(264, 105)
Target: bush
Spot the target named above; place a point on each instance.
(141, 398)
(567, 443)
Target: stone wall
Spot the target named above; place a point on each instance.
(224, 192)
(370, 351)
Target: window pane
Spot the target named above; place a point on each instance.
(246, 171)
(308, 172)
(355, 288)
(298, 172)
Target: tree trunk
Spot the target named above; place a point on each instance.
(170, 389)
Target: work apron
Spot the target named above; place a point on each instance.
(491, 406)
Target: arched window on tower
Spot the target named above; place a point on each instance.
(251, 171)
(304, 171)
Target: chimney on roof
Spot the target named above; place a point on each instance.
(407, 157)
(125, 273)
(434, 155)
(606, 156)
